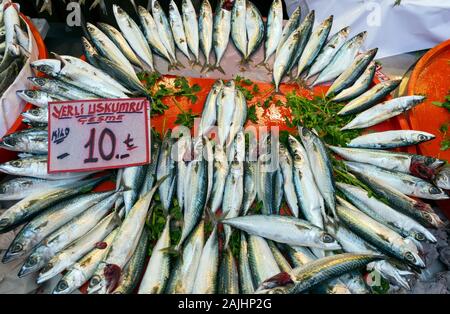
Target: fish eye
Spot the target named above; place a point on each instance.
(17, 247)
(30, 93)
(62, 285)
(327, 238)
(419, 236)
(427, 216)
(32, 261)
(422, 137)
(434, 190)
(47, 267)
(4, 222)
(94, 281)
(16, 163)
(410, 257)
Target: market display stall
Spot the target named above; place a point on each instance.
(279, 162)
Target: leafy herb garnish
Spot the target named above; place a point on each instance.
(251, 114)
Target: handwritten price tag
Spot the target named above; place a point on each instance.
(98, 134)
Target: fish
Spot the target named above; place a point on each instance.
(283, 264)
(286, 166)
(190, 23)
(37, 116)
(265, 183)
(290, 26)
(390, 139)
(221, 34)
(164, 30)
(166, 167)
(61, 88)
(205, 26)
(255, 30)
(245, 273)
(380, 236)
(250, 183)
(208, 266)
(299, 255)
(383, 111)
(228, 278)
(385, 214)
(370, 98)
(152, 29)
(34, 204)
(233, 193)
(39, 98)
(404, 183)
(274, 30)
(296, 232)
(278, 191)
(134, 36)
(154, 282)
(176, 24)
(185, 269)
(67, 257)
(238, 26)
(314, 45)
(65, 235)
(352, 243)
(309, 200)
(108, 49)
(341, 60)
(360, 86)
(10, 20)
(181, 153)
(196, 190)
(239, 117)
(49, 221)
(306, 26)
(262, 262)
(131, 182)
(22, 37)
(352, 73)
(209, 113)
(110, 268)
(135, 267)
(226, 107)
(121, 43)
(82, 270)
(150, 171)
(314, 273)
(417, 165)
(36, 167)
(31, 141)
(442, 178)
(416, 209)
(21, 187)
(221, 169)
(320, 161)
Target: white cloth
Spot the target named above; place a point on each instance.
(410, 26)
(10, 104)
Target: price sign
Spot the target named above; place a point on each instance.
(98, 134)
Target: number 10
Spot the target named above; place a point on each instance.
(91, 145)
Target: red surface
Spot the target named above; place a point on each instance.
(431, 77)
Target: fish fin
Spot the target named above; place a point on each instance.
(218, 68)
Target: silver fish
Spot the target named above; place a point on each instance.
(342, 59)
(191, 27)
(255, 30)
(283, 264)
(296, 232)
(134, 36)
(370, 98)
(221, 34)
(442, 178)
(286, 165)
(181, 153)
(155, 282)
(383, 111)
(310, 201)
(245, 273)
(250, 183)
(118, 39)
(361, 85)
(164, 30)
(385, 214)
(36, 115)
(176, 23)
(274, 29)
(60, 88)
(289, 27)
(391, 139)
(31, 141)
(209, 114)
(206, 276)
(238, 26)
(166, 167)
(228, 281)
(131, 182)
(354, 71)
(239, 116)
(262, 262)
(306, 26)
(420, 166)
(226, 107)
(402, 182)
(39, 98)
(314, 46)
(304, 278)
(320, 162)
(220, 175)
(49, 221)
(205, 25)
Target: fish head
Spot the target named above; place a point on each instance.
(28, 95)
(15, 250)
(98, 283)
(38, 81)
(48, 271)
(47, 66)
(217, 87)
(87, 46)
(9, 141)
(413, 258)
(65, 285)
(281, 283)
(33, 263)
(423, 137)
(433, 219)
(425, 167)
(327, 241)
(12, 165)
